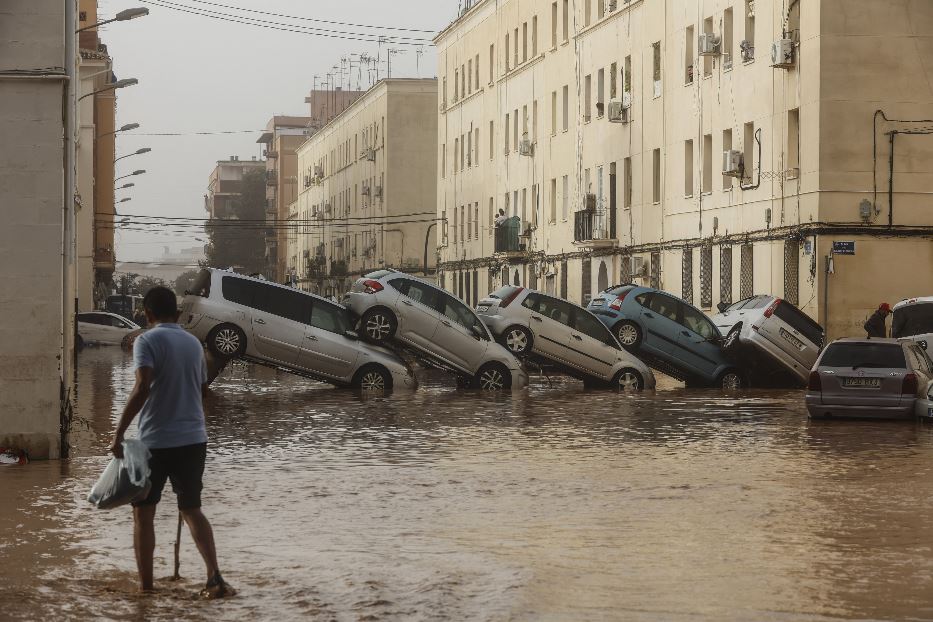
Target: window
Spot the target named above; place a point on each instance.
(566, 102)
(587, 97)
(524, 42)
(418, 292)
(492, 215)
(506, 133)
(238, 291)
(463, 231)
(284, 303)
(706, 277)
(627, 180)
(587, 12)
(469, 223)
(749, 48)
(586, 323)
(656, 72)
(613, 80)
(553, 113)
(507, 65)
(477, 72)
(468, 75)
(689, 46)
(524, 214)
(491, 137)
(524, 120)
(515, 46)
(557, 310)
(627, 77)
(726, 146)
(566, 20)
(330, 317)
(725, 274)
(793, 142)
(686, 275)
(878, 355)
(565, 207)
(476, 220)
(456, 85)
(708, 60)
(727, 39)
(792, 271)
(664, 305)
(515, 130)
(553, 204)
(656, 170)
(534, 121)
(688, 168)
(464, 82)
(600, 8)
(469, 149)
(554, 24)
(456, 311)
(747, 280)
(476, 147)
(749, 146)
(455, 225)
(492, 62)
(600, 92)
(695, 321)
(456, 154)
(534, 36)
(910, 320)
(707, 164)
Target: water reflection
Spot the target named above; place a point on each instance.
(553, 502)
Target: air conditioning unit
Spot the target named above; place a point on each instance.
(589, 202)
(639, 268)
(748, 50)
(365, 190)
(307, 181)
(526, 147)
(369, 154)
(709, 44)
(782, 54)
(613, 5)
(751, 8)
(618, 112)
(627, 99)
(377, 192)
(732, 163)
(318, 170)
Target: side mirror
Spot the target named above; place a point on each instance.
(477, 332)
(351, 334)
(722, 306)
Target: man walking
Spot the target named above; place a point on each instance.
(875, 326)
(171, 377)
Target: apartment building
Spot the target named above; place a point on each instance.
(225, 185)
(713, 148)
(369, 186)
(283, 135)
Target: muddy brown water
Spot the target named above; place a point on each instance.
(552, 503)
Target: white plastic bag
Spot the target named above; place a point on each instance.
(124, 480)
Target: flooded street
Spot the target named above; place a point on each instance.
(553, 503)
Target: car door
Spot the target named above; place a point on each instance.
(588, 342)
(698, 343)
(550, 325)
(89, 326)
(115, 329)
(418, 317)
(461, 338)
(278, 321)
(325, 348)
(921, 367)
(659, 321)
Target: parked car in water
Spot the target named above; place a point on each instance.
(770, 326)
(244, 317)
(439, 327)
(870, 378)
(913, 319)
(669, 334)
(530, 323)
(103, 328)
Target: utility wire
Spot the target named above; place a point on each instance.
(263, 220)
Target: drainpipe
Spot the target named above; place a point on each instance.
(427, 236)
(69, 305)
(891, 182)
(830, 269)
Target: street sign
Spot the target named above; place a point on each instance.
(843, 248)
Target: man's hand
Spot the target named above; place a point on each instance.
(116, 447)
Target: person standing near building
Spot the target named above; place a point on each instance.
(171, 379)
(875, 326)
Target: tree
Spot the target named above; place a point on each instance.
(184, 281)
(241, 245)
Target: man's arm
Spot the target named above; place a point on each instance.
(134, 404)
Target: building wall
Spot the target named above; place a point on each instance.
(35, 331)
(334, 217)
(813, 122)
(105, 116)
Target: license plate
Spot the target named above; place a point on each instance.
(598, 302)
(865, 383)
(793, 340)
(482, 308)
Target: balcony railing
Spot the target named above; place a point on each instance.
(590, 225)
(507, 236)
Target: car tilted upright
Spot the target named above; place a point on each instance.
(913, 319)
(238, 316)
(671, 335)
(438, 327)
(531, 323)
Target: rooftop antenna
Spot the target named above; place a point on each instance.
(418, 54)
(389, 53)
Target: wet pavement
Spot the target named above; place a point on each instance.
(552, 503)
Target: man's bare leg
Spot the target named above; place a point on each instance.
(144, 543)
(203, 537)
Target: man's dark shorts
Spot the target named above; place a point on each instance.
(183, 466)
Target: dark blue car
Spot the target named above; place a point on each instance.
(673, 335)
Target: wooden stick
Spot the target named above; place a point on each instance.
(177, 576)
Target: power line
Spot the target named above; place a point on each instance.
(195, 133)
(263, 220)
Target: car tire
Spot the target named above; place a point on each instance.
(227, 341)
(373, 379)
(518, 340)
(378, 325)
(629, 335)
(628, 380)
(731, 380)
(731, 343)
(493, 377)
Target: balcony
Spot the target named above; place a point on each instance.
(272, 176)
(508, 242)
(104, 258)
(591, 229)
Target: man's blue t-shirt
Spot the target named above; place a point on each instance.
(172, 415)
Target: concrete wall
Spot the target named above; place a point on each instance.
(31, 202)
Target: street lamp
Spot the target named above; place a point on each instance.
(119, 84)
(127, 185)
(125, 128)
(122, 16)
(139, 172)
(137, 152)
(125, 200)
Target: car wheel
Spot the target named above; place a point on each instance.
(373, 379)
(732, 339)
(628, 380)
(493, 377)
(378, 325)
(227, 341)
(518, 340)
(629, 335)
(731, 380)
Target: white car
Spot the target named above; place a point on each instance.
(103, 328)
(772, 327)
(439, 327)
(913, 319)
(237, 316)
(531, 323)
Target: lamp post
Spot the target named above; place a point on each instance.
(137, 152)
(122, 16)
(137, 172)
(125, 199)
(119, 84)
(127, 185)
(125, 128)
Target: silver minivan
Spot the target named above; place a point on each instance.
(243, 317)
(531, 323)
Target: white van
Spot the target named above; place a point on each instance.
(238, 316)
(913, 319)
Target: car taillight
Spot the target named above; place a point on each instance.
(910, 385)
(508, 299)
(774, 305)
(816, 383)
(371, 287)
(617, 303)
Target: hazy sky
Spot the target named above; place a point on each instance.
(204, 75)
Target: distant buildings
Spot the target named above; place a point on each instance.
(225, 185)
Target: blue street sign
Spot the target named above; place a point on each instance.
(843, 248)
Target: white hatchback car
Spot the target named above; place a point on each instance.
(103, 328)
(239, 316)
(531, 323)
(440, 328)
(913, 319)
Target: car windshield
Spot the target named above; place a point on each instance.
(857, 355)
(504, 292)
(912, 320)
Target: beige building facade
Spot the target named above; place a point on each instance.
(368, 192)
(225, 185)
(713, 148)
